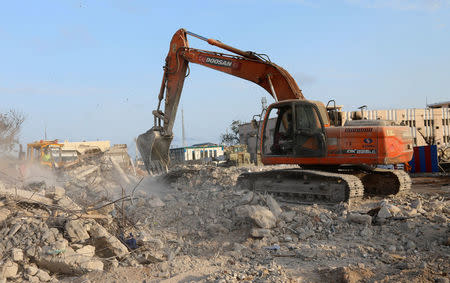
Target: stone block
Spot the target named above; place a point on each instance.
(260, 233)
(17, 254)
(359, 218)
(86, 251)
(9, 269)
(76, 231)
(273, 206)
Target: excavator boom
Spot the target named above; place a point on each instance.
(155, 143)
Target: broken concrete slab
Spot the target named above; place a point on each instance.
(84, 171)
(384, 212)
(262, 217)
(92, 265)
(43, 276)
(120, 173)
(28, 196)
(64, 261)
(17, 254)
(76, 231)
(273, 206)
(359, 218)
(260, 233)
(106, 244)
(4, 213)
(9, 269)
(87, 250)
(31, 269)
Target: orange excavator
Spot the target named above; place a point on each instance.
(337, 162)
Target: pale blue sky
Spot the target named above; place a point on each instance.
(91, 69)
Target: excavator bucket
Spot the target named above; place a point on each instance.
(154, 150)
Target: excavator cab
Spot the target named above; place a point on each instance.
(298, 130)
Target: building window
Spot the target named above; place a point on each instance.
(445, 122)
(193, 155)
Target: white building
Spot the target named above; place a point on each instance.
(197, 152)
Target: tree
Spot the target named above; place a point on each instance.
(10, 125)
(233, 137)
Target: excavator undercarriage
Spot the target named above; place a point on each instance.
(326, 187)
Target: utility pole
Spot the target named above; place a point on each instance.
(45, 131)
(135, 150)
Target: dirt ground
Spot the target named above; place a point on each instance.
(432, 184)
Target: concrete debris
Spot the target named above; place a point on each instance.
(247, 198)
(43, 276)
(120, 173)
(29, 196)
(154, 201)
(85, 171)
(65, 261)
(417, 204)
(106, 244)
(384, 212)
(288, 216)
(17, 254)
(260, 233)
(273, 206)
(261, 216)
(55, 192)
(31, 269)
(76, 231)
(359, 218)
(346, 274)
(88, 251)
(4, 213)
(216, 229)
(61, 229)
(194, 224)
(9, 269)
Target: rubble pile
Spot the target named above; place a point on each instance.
(243, 231)
(193, 176)
(193, 224)
(49, 234)
(97, 176)
(63, 225)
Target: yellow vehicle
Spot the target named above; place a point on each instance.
(237, 155)
(48, 153)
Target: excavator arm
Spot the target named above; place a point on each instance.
(155, 143)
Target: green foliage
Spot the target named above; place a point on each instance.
(231, 138)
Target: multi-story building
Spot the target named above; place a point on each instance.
(429, 125)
